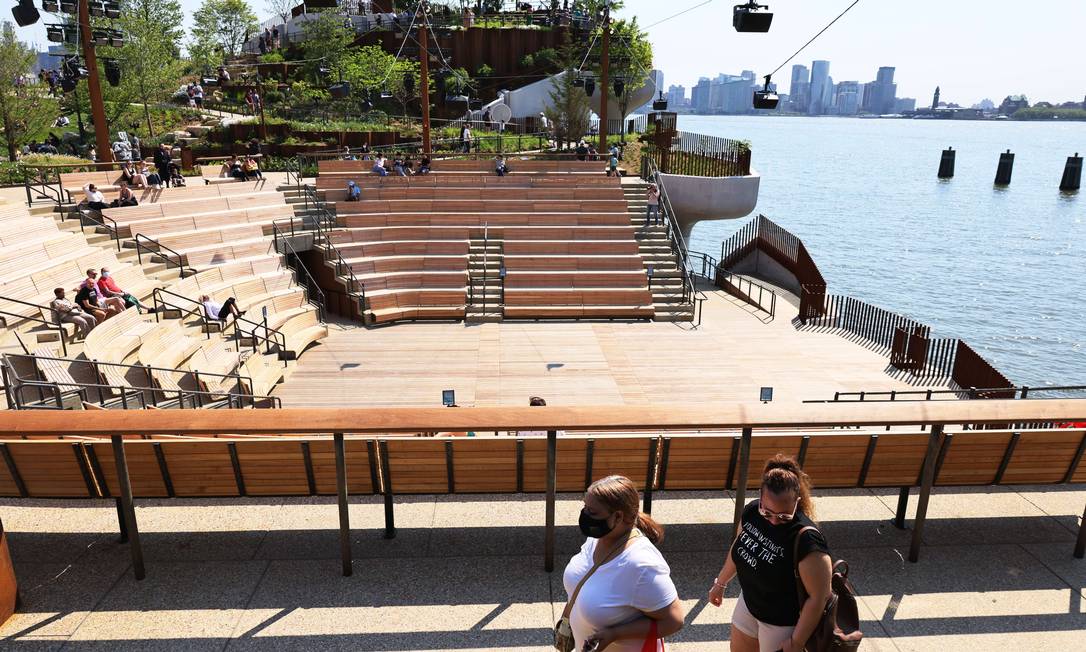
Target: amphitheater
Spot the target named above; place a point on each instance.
(290, 479)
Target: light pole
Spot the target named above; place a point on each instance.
(424, 75)
(605, 64)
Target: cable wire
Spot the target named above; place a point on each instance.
(855, 2)
(664, 20)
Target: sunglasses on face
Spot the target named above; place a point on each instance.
(781, 516)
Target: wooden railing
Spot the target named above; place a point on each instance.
(737, 422)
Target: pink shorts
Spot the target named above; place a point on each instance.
(770, 637)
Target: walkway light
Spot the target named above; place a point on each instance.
(747, 18)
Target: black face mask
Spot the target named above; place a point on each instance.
(593, 527)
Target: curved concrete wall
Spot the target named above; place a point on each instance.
(710, 198)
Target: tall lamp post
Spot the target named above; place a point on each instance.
(605, 64)
(424, 74)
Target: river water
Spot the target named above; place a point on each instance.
(1002, 268)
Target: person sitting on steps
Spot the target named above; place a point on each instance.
(66, 312)
(354, 193)
(500, 168)
(220, 311)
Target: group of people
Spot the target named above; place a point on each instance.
(97, 298)
(51, 144)
(621, 597)
(196, 95)
(252, 101)
(399, 165)
(243, 168)
(269, 40)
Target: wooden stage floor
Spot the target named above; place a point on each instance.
(732, 354)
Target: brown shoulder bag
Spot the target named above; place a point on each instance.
(838, 627)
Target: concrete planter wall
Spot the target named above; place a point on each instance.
(710, 198)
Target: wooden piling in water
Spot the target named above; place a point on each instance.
(1006, 167)
(946, 164)
(1072, 174)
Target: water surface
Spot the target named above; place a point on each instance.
(1003, 269)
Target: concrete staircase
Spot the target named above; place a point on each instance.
(484, 270)
(655, 248)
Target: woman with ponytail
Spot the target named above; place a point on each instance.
(628, 601)
(768, 616)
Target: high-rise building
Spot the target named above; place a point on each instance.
(700, 95)
(799, 94)
(849, 97)
(904, 105)
(676, 97)
(820, 73)
(883, 92)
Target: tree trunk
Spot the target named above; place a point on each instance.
(10, 138)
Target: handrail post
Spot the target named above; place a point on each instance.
(552, 482)
(741, 485)
(127, 507)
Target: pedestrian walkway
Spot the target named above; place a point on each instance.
(466, 573)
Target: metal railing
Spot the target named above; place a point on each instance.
(271, 336)
(324, 222)
(38, 319)
(1019, 392)
(313, 292)
(738, 286)
(112, 228)
(105, 394)
(157, 250)
(674, 233)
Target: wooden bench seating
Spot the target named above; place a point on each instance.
(260, 373)
(551, 262)
(336, 190)
(433, 263)
(24, 229)
(36, 286)
(369, 180)
(579, 302)
(358, 250)
(571, 247)
(416, 297)
(413, 280)
(485, 165)
(387, 233)
(577, 279)
(493, 220)
(72, 182)
(301, 331)
(26, 257)
(479, 206)
(197, 214)
(253, 246)
(115, 340)
(192, 192)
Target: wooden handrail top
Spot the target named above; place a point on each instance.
(599, 418)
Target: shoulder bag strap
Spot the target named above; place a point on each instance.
(800, 591)
(576, 591)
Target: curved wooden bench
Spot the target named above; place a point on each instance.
(479, 219)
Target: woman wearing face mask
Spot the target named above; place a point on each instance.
(628, 597)
(768, 616)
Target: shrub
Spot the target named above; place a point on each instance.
(547, 58)
(272, 57)
(527, 61)
(484, 71)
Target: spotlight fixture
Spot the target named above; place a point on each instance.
(660, 104)
(619, 86)
(25, 13)
(112, 10)
(54, 33)
(67, 84)
(96, 10)
(747, 18)
(69, 7)
(589, 87)
(409, 82)
(340, 90)
(100, 37)
(578, 83)
(50, 6)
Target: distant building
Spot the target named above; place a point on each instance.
(657, 77)
(820, 73)
(935, 99)
(985, 105)
(1012, 103)
(676, 97)
(905, 105)
(883, 92)
(700, 96)
(799, 93)
(48, 60)
(849, 97)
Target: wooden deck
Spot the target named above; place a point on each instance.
(728, 358)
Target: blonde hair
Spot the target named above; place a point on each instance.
(619, 494)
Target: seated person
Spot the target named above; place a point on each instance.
(397, 167)
(94, 197)
(235, 168)
(66, 312)
(125, 197)
(347, 155)
(499, 166)
(150, 175)
(379, 166)
(251, 169)
(176, 178)
(424, 165)
(114, 304)
(226, 171)
(87, 299)
(220, 311)
(109, 289)
(128, 175)
(408, 164)
(354, 193)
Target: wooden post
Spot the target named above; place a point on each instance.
(127, 507)
(605, 64)
(552, 482)
(741, 485)
(424, 75)
(925, 490)
(341, 494)
(94, 87)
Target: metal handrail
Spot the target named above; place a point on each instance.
(330, 250)
(140, 248)
(674, 233)
(47, 191)
(195, 396)
(714, 273)
(147, 369)
(310, 285)
(85, 216)
(49, 324)
(1020, 392)
(271, 336)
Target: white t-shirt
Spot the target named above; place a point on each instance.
(637, 580)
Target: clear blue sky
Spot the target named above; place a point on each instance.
(972, 48)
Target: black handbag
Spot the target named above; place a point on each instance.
(838, 627)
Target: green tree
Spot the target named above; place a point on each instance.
(151, 65)
(630, 60)
(372, 70)
(24, 106)
(280, 8)
(327, 37)
(568, 109)
(226, 24)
